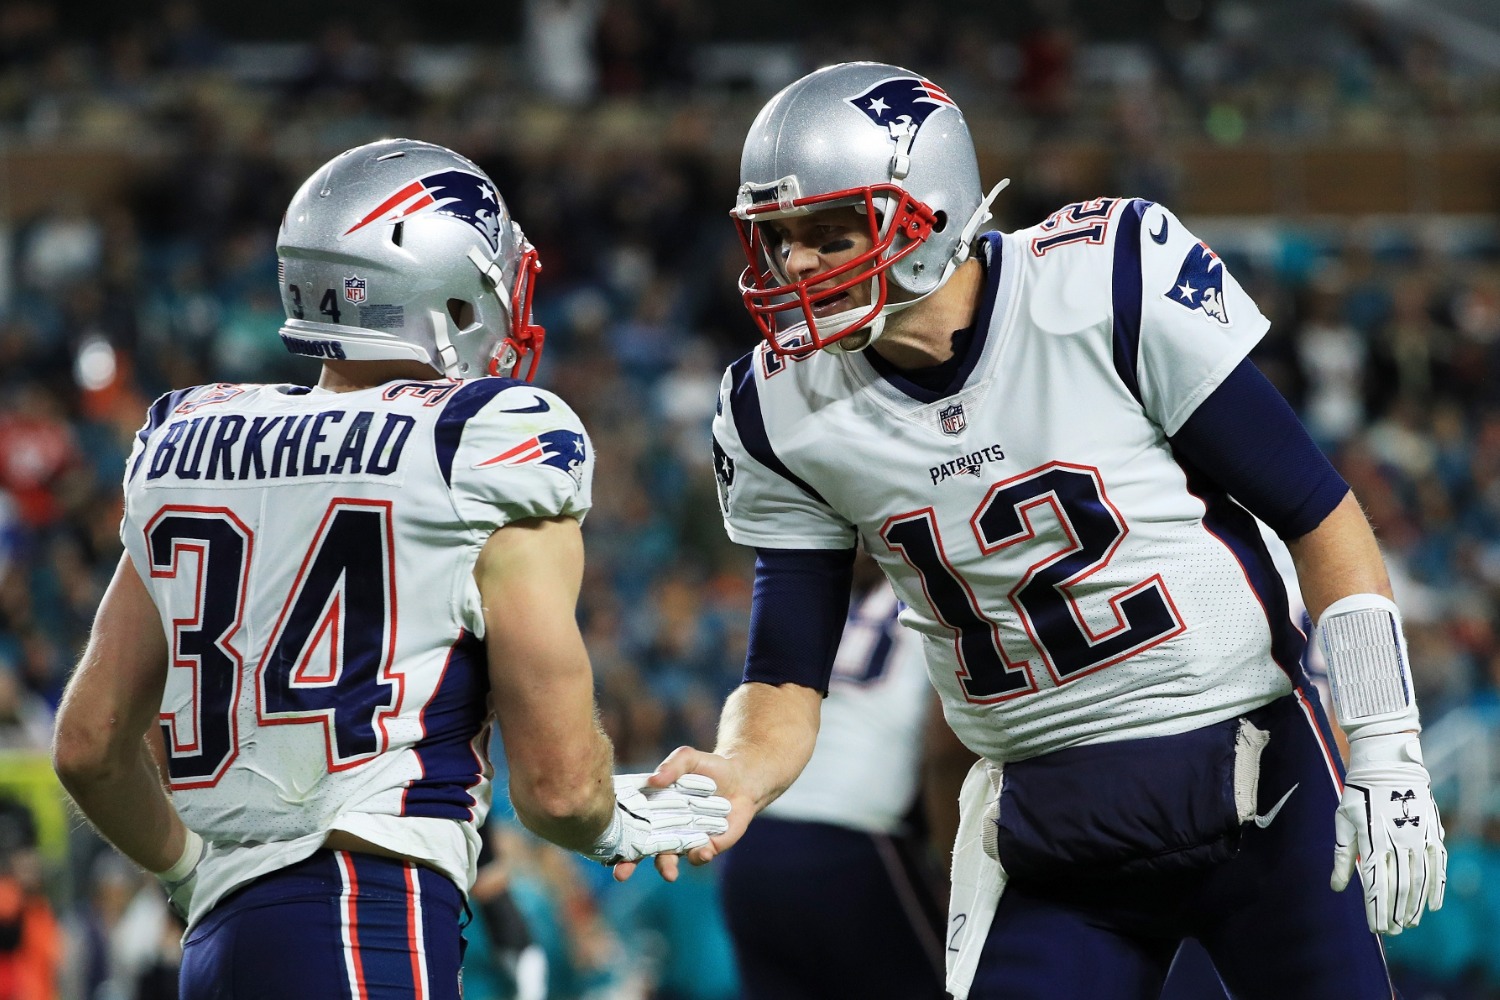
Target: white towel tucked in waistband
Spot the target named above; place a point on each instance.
(978, 879)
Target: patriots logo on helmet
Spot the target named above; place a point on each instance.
(1200, 285)
(455, 193)
(904, 102)
(561, 449)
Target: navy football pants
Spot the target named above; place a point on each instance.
(1267, 918)
(337, 926)
(819, 911)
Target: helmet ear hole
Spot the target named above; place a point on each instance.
(462, 313)
(940, 222)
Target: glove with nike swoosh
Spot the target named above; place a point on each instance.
(1387, 816)
(650, 821)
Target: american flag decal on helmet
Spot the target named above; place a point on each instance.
(455, 193)
(902, 97)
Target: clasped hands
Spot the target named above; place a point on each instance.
(659, 819)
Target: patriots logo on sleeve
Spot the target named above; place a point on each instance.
(562, 449)
(456, 193)
(724, 474)
(1200, 285)
(904, 102)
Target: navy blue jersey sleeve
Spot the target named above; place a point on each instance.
(797, 614)
(1246, 439)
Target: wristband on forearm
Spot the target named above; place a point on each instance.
(607, 845)
(192, 852)
(1368, 666)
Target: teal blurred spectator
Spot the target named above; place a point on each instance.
(680, 926)
(1454, 954)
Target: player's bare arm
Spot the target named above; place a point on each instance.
(102, 746)
(1387, 826)
(562, 785)
(766, 736)
(1338, 558)
(529, 575)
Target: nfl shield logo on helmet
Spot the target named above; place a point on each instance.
(951, 418)
(354, 289)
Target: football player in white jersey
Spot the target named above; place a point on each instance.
(835, 870)
(1053, 442)
(328, 593)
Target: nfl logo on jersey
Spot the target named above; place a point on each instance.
(952, 419)
(354, 289)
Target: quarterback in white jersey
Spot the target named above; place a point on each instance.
(1038, 537)
(1054, 444)
(327, 595)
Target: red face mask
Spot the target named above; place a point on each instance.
(524, 345)
(782, 308)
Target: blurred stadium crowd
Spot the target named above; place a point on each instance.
(613, 127)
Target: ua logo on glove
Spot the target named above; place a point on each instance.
(1406, 816)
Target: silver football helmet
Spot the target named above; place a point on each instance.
(404, 249)
(891, 144)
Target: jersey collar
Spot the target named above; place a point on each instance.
(954, 373)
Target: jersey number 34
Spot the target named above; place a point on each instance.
(328, 659)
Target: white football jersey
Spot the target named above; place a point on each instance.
(865, 766)
(1072, 580)
(311, 555)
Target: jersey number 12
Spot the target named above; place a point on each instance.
(1042, 595)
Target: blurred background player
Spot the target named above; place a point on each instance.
(326, 591)
(834, 889)
(1052, 443)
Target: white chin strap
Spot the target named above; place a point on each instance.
(447, 354)
(853, 344)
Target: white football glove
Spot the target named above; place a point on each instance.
(650, 821)
(181, 880)
(1388, 816)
